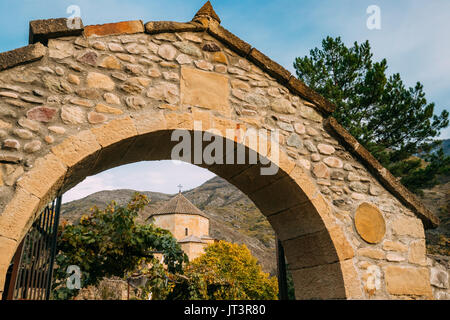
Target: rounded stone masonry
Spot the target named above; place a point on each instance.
(369, 223)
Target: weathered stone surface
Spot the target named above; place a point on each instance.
(42, 114)
(408, 226)
(407, 281)
(23, 133)
(371, 253)
(73, 115)
(310, 114)
(57, 130)
(125, 27)
(321, 282)
(29, 124)
(100, 81)
(188, 48)
(42, 30)
(11, 144)
(82, 102)
(155, 27)
(89, 57)
(56, 84)
(110, 62)
(184, 59)
(204, 89)
(164, 92)
(22, 55)
(107, 109)
(88, 93)
(283, 106)
(439, 278)
(114, 131)
(167, 52)
(294, 141)
(5, 125)
(95, 117)
(73, 79)
(325, 149)
(417, 252)
(135, 102)
(115, 47)
(32, 146)
(111, 98)
(333, 162)
(321, 171)
(394, 246)
(358, 187)
(395, 257)
(204, 65)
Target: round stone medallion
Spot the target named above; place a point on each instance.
(369, 223)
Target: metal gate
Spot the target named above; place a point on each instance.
(30, 275)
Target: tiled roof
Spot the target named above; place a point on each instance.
(191, 238)
(178, 204)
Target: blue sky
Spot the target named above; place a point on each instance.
(413, 38)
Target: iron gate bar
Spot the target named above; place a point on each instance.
(32, 273)
(281, 266)
(53, 247)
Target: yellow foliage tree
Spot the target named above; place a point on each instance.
(226, 271)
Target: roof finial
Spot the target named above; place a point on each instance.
(207, 11)
(179, 187)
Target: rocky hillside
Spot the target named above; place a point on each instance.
(233, 217)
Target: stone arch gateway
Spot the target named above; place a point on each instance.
(78, 101)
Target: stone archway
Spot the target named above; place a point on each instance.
(102, 96)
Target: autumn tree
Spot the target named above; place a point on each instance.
(393, 122)
(225, 271)
(109, 242)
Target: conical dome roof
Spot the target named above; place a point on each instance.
(178, 204)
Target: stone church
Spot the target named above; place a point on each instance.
(188, 224)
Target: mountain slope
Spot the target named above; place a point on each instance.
(233, 217)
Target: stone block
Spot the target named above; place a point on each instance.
(330, 281)
(22, 55)
(322, 247)
(43, 30)
(205, 89)
(114, 131)
(18, 214)
(46, 175)
(75, 148)
(407, 281)
(154, 27)
(109, 29)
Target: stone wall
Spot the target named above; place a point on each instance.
(90, 91)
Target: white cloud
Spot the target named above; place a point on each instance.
(157, 176)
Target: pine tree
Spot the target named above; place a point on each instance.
(396, 124)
